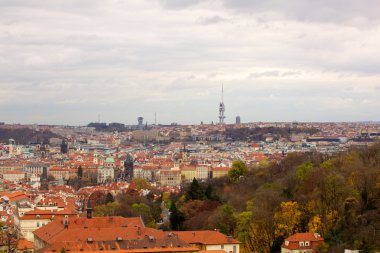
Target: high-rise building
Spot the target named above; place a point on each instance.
(140, 122)
(221, 109)
(238, 120)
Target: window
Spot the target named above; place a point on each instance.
(222, 246)
(286, 243)
(38, 224)
(234, 249)
(307, 243)
(301, 244)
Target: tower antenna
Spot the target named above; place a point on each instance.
(222, 108)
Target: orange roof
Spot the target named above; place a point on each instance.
(293, 242)
(107, 228)
(24, 244)
(207, 237)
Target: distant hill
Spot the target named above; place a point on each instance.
(25, 135)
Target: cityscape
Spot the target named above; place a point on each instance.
(189, 126)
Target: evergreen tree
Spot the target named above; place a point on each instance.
(176, 217)
(209, 193)
(80, 172)
(195, 191)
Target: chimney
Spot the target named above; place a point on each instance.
(138, 231)
(66, 223)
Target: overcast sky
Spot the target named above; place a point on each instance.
(68, 61)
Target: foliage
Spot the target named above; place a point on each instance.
(176, 217)
(195, 191)
(239, 169)
(109, 198)
(141, 184)
(336, 195)
(109, 209)
(287, 219)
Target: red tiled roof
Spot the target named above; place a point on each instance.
(207, 237)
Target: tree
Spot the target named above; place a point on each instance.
(226, 221)
(144, 211)
(243, 232)
(9, 237)
(239, 169)
(287, 219)
(110, 209)
(195, 191)
(176, 217)
(80, 172)
(141, 184)
(109, 198)
(303, 169)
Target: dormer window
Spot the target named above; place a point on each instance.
(302, 244)
(286, 243)
(307, 243)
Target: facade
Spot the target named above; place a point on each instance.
(35, 168)
(35, 219)
(105, 174)
(203, 172)
(302, 243)
(188, 173)
(171, 177)
(210, 240)
(14, 176)
(219, 172)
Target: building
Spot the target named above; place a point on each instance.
(107, 234)
(210, 240)
(140, 123)
(171, 177)
(119, 234)
(14, 176)
(222, 109)
(188, 173)
(219, 172)
(35, 219)
(105, 174)
(302, 243)
(238, 120)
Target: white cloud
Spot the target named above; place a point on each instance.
(67, 61)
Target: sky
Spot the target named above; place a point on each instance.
(74, 62)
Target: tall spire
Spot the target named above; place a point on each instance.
(221, 109)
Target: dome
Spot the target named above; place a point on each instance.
(110, 159)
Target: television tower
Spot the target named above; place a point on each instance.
(221, 109)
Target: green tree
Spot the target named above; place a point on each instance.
(243, 231)
(110, 209)
(195, 191)
(238, 169)
(226, 220)
(303, 169)
(176, 217)
(145, 212)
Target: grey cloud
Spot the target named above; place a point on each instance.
(340, 11)
(66, 62)
(212, 20)
(178, 4)
(273, 73)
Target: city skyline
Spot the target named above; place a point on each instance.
(65, 62)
